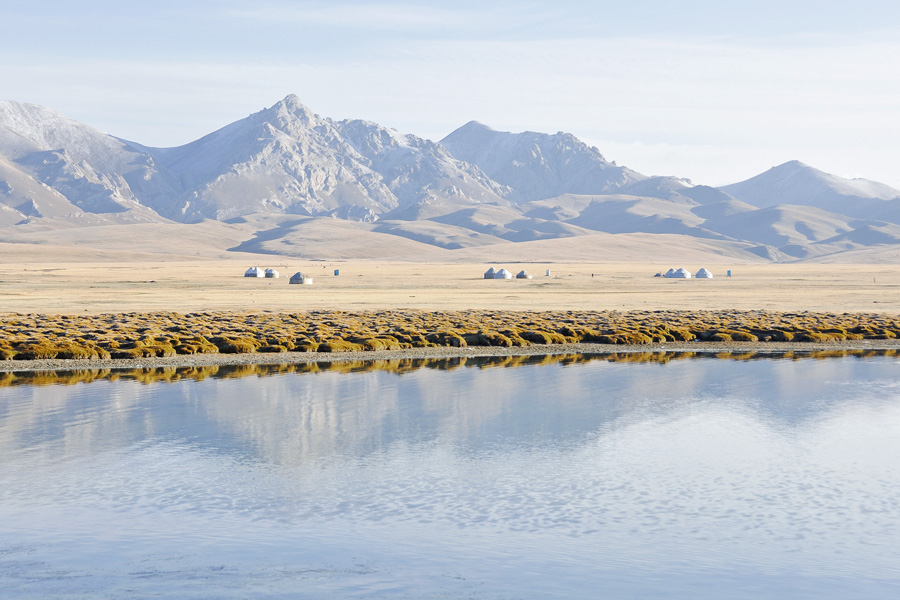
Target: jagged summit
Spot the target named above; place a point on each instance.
(538, 165)
(287, 159)
(478, 186)
(292, 109)
(292, 101)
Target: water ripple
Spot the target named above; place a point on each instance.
(661, 480)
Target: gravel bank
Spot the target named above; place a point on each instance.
(199, 360)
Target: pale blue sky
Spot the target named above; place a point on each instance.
(716, 91)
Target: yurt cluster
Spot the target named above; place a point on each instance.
(504, 274)
(297, 278)
(682, 273)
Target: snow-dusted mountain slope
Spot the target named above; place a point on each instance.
(477, 188)
(90, 169)
(796, 183)
(538, 165)
(675, 189)
(284, 159)
(23, 197)
(791, 229)
(288, 159)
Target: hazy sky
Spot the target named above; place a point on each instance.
(713, 90)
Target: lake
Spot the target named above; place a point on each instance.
(632, 476)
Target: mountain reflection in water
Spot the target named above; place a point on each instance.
(629, 475)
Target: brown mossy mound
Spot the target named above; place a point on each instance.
(819, 337)
(515, 338)
(412, 339)
(385, 342)
(38, 350)
(129, 353)
(285, 341)
(158, 349)
(742, 336)
(882, 334)
(487, 338)
(133, 335)
(716, 336)
(727, 335)
(543, 337)
(774, 335)
(86, 352)
(196, 345)
(339, 345)
(274, 348)
(235, 345)
(681, 334)
(447, 338)
(631, 337)
(305, 345)
(571, 335)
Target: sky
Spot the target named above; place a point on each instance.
(716, 91)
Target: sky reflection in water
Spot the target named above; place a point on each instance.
(768, 478)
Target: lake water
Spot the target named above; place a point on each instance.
(580, 477)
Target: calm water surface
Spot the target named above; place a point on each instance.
(771, 478)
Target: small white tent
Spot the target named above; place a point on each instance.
(681, 273)
(271, 273)
(503, 274)
(489, 274)
(300, 278)
(669, 274)
(254, 272)
(703, 274)
(523, 274)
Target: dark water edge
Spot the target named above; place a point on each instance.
(401, 366)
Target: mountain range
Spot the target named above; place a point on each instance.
(285, 174)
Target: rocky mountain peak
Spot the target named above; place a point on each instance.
(478, 186)
(291, 109)
(537, 165)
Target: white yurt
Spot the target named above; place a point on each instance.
(523, 274)
(669, 274)
(300, 278)
(704, 273)
(681, 273)
(254, 272)
(490, 273)
(271, 273)
(503, 274)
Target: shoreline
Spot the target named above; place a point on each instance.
(445, 352)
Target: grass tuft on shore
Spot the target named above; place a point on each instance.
(136, 335)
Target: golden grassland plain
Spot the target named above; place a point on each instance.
(96, 307)
(117, 286)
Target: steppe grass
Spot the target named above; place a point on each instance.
(137, 335)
